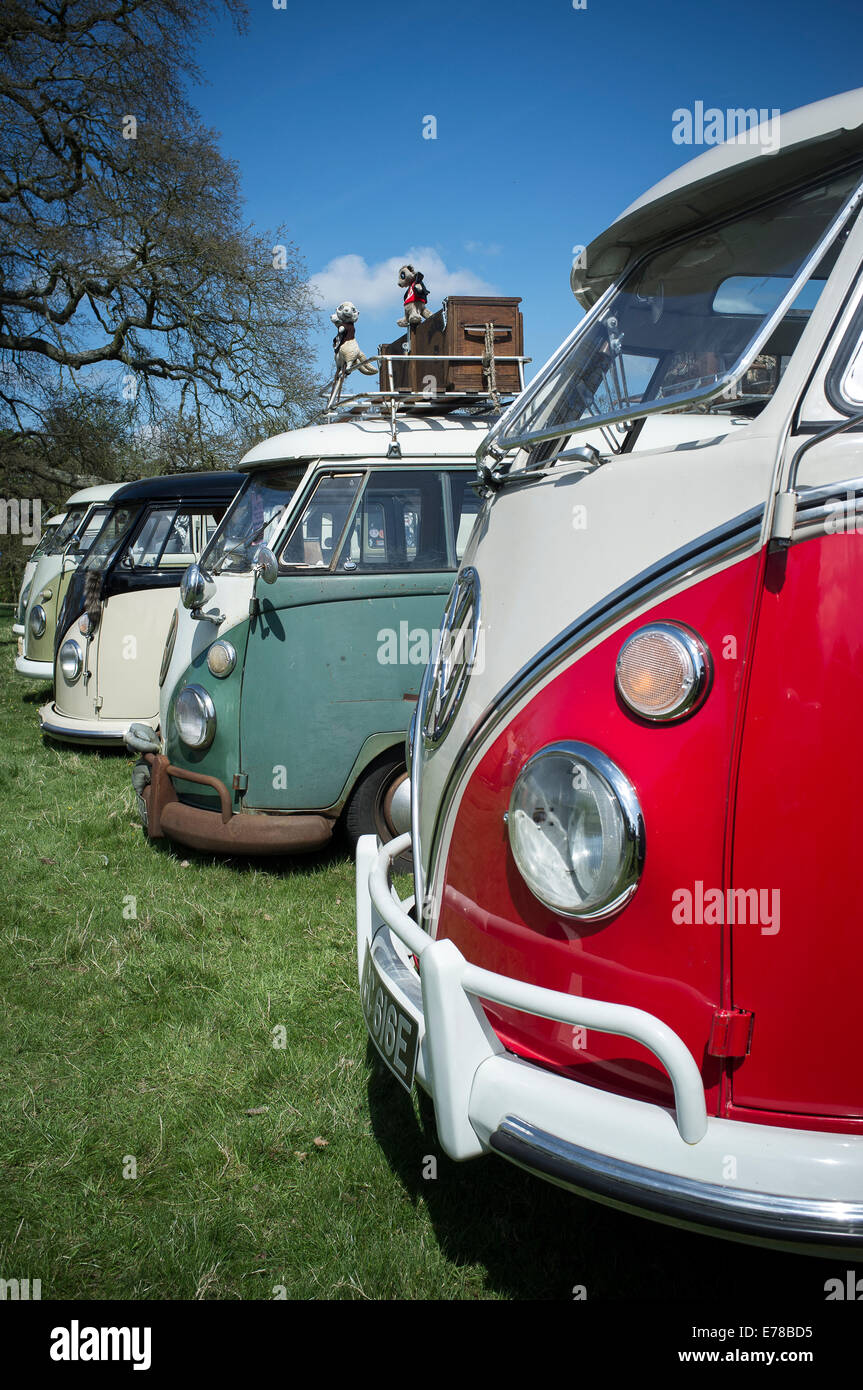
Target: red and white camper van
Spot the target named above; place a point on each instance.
(633, 959)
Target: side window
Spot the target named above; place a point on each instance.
(147, 546)
(316, 534)
(87, 536)
(466, 503)
(400, 525)
(187, 537)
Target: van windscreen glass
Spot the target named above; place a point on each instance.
(253, 519)
(63, 533)
(111, 536)
(685, 323)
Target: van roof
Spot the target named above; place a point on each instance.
(101, 493)
(419, 436)
(220, 483)
(809, 141)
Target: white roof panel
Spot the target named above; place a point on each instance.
(102, 493)
(420, 436)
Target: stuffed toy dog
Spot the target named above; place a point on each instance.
(345, 345)
(416, 295)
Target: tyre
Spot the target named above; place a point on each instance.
(369, 810)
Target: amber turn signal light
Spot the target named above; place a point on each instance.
(663, 671)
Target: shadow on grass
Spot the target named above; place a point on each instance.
(535, 1240)
(109, 751)
(278, 866)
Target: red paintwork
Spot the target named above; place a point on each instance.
(640, 957)
(798, 676)
(799, 825)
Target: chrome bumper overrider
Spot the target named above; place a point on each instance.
(769, 1183)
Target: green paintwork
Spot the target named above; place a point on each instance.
(314, 688)
(222, 758)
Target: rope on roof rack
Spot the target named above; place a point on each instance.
(488, 366)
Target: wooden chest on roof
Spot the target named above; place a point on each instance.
(456, 332)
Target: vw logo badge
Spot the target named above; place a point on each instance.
(455, 657)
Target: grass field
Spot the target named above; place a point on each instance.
(140, 989)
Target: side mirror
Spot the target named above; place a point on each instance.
(265, 564)
(196, 586)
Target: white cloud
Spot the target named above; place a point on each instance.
(375, 289)
(483, 248)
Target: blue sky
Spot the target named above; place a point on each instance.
(550, 120)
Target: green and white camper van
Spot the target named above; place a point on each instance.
(69, 543)
(293, 663)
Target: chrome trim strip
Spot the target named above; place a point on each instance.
(724, 542)
(815, 505)
(804, 1219)
(67, 735)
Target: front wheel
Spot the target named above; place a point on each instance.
(370, 809)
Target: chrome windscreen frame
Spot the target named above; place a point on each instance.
(501, 443)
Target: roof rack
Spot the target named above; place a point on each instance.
(453, 378)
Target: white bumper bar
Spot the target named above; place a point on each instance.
(97, 732)
(36, 670)
(777, 1185)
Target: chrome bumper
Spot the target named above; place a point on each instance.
(782, 1186)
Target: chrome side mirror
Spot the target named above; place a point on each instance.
(196, 586)
(265, 564)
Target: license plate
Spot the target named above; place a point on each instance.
(394, 1033)
(20, 646)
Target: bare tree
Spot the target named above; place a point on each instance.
(124, 260)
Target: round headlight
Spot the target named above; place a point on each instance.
(38, 620)
(221, 659)
(576, 831)
(195, 717)
(71, 661)
(663, 671)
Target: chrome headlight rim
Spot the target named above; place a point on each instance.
(628, 877)
(701, 663)
(37, 622)
(206, 711)
(71, 649)
(230, 651)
